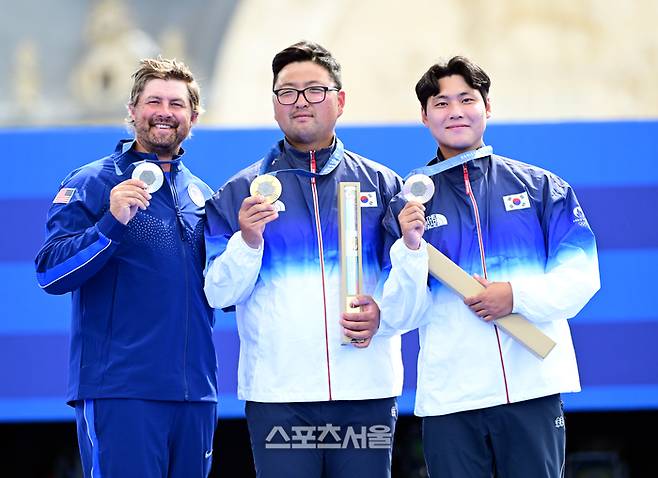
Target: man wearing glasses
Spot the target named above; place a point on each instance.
(315, 408)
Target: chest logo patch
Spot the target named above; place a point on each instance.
(516, 201)
(435, 220)
(368, 199)
(196, 195)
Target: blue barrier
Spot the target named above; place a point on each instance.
(616, 183)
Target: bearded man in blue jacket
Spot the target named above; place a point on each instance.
(143, 372)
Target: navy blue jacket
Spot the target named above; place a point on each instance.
(141, 326)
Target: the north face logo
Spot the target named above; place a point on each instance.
(435, 220)
(559, 422)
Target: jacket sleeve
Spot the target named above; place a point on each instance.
(81, 236)
(389, 225)
(571, 274)
(405, 296)
(232, 267)
(390, 185)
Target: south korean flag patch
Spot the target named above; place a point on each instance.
(516, 201)
(368, 199)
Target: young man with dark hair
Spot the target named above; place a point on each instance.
(489, 406)
(129, 247)
(315, 408)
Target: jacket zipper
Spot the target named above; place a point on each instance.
(469, 193)
(183, 235)
(318, 227)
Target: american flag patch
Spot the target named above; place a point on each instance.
(64, 196)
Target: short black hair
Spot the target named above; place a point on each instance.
(473, 75)
(307, 51)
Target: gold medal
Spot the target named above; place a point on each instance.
(267, 186)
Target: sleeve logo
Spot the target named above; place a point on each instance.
(579, 217)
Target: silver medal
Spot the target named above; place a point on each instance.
(418, 188)
(151, 174)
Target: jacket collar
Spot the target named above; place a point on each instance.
(327, 159)
(300, 159)
(125, 154)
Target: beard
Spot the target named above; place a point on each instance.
(159, 140)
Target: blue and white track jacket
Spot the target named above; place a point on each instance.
(507, 221)
(141, 325)
(287, 293)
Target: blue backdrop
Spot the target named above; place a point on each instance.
(615, 180)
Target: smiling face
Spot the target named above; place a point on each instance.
(307, 126)
(456, 116)
(162, 117)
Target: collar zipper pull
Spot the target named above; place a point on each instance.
(467, 182)
(313, 165)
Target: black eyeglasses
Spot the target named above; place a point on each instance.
(312, 94)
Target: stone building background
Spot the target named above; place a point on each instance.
(69, 61)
